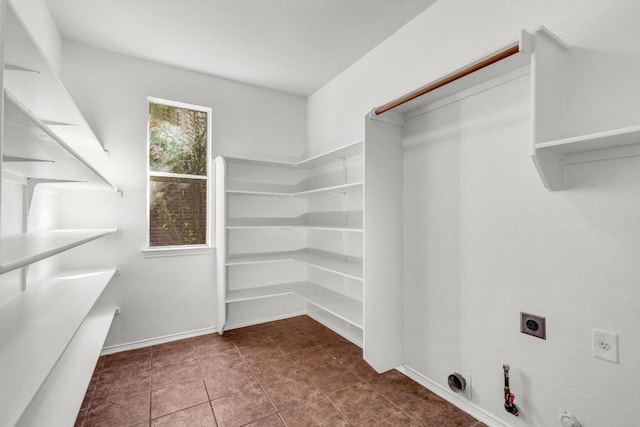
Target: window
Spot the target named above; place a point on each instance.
(179, 144)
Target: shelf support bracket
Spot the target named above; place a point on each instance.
(12, 67)
(31, 188)
(24, 271)
(13, 159)
(55, 123)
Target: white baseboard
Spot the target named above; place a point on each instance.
(252, 322)
(189, 334)
(354, 339)
(134, 345)
(451, 397)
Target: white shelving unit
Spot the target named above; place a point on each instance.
(350, 267)
(60, 397)
(19, 250)
(290, 191)
(319, 200)
(36, 329)
(339, 305)
(337, 217)
(50, 333)
(303, 222)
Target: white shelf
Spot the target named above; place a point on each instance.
(334, 228)
(345, 266)
(261, 189)
(552, 150)
(300, 227)
(60, 398)
(260, 258)
(284, 223)
(595, 141)
(35, 329)
(550, 157)
(31, 79)
(27, 137)
(19, 250)
(354, 187)
(346, 151)
(341, 306)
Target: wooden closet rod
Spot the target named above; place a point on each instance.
(448, 79)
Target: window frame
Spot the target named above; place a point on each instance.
(171, 250)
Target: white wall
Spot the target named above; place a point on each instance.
(483, 239)
(160, 296)
(451, 34)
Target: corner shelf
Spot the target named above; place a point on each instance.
(255, 189)
(327, 157)
(341, 306)
(259, 225)
(333, 222)
(354, 187)
(20, 250)
(350, 267)
(39, 324)
(346, 221)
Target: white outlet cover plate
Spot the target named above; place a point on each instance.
(605, 345)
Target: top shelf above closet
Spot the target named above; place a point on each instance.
(509, 62)
(544, 56)
(31, 79)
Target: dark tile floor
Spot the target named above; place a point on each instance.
(292, 372)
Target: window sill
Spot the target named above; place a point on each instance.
(171, 251)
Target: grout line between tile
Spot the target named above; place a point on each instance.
(215, 419)
(342, 362)
(259, 385)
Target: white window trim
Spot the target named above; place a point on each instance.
(170, 251)
(209, 246)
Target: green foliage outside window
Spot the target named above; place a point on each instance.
(177, 140)
(178, 205)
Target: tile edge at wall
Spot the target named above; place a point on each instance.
(462, 404)
(282, 316)
(148, 342)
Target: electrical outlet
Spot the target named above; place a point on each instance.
(534, 325)
(605, 345)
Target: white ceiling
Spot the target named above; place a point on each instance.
(290, 45)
